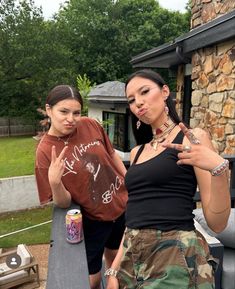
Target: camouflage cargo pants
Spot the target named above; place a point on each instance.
(165, 260)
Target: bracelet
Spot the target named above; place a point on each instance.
(220, 169)
(110, 272)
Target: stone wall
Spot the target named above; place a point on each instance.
(213, 80)
(213, 96)
(204, 11)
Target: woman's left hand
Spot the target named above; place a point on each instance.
(194, 152)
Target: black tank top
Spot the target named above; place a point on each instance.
(160, 192)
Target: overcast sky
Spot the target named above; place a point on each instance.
(50, 7)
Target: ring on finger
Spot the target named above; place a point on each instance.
(187, 148)
(192, 138)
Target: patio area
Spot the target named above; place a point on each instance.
(40, 252)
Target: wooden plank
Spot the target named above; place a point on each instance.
(67, 267)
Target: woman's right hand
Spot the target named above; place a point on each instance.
(112, 283)
(57, 167)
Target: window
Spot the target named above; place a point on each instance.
(116, 126)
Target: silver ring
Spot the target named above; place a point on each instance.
(187, 148)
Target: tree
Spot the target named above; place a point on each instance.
(87, 37)
(32, 58)
(18, 24)
(84, 85)
(103, 35)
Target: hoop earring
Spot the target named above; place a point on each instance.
(138, 124)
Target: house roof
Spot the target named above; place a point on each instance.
(110, 92)
(180, 50)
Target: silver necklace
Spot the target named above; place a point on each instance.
(66, 142)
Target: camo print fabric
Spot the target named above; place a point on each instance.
(165, 260)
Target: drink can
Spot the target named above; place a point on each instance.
(74, 231)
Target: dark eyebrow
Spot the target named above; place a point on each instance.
(63, 108)
(140, 88)
(66, 109)
(144, 86)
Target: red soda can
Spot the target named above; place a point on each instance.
(74, 231)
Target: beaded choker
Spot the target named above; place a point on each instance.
(161, 133)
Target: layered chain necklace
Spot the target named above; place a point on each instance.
(66, 142)
(161, 133)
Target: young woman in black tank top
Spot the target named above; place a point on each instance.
(161, 248)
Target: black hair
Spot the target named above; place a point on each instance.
(62, 92)
(144, 133)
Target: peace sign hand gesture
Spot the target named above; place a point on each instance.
(57, 167)
(195, 152)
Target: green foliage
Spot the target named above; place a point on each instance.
(105, 34)
(18, 25)
(84, 85)
(86, 37)
(17, 156)
(14, 221)
(32, 59)
(106, 123)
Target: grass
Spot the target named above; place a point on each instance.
(17, 156)
(10, 222)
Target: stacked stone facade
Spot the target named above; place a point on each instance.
(213, 80)
(204, 11)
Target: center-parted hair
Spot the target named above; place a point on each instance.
(62, 92)
(144, 133)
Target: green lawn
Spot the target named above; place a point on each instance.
(17, 156)
(10, 222)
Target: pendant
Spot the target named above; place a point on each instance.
(154, 144)
(66, 143)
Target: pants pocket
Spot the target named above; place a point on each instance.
(198, 261)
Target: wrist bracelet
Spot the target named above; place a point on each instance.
(220, 169)
(111, 272)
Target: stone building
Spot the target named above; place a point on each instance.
(204, 62)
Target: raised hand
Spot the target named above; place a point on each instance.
(57, 166)
(196, 152)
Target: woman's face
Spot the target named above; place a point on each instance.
(147, 100)
(64, 116)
